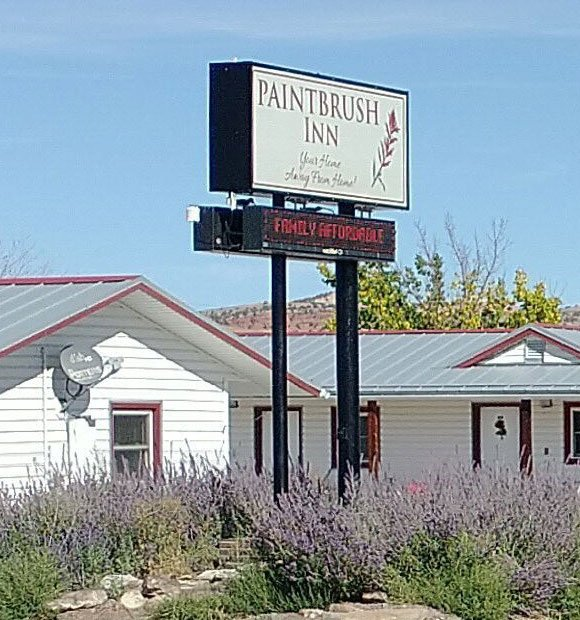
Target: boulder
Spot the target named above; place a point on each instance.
(217, 574)
(119, 583)
(111, 610)
(375, 597)
(132, 599)
(380, 611)
(196, 588)
(165, 587)
(81, 599)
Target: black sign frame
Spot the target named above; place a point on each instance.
(231, 126)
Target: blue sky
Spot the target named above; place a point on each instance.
(103, 126)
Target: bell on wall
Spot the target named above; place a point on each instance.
(500, 426)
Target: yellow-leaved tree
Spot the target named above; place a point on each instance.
(475, 297)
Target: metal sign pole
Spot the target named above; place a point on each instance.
(347, 366)
(279, 369)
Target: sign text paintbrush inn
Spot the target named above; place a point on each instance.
(316, 102)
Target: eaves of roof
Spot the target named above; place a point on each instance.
(129, 285)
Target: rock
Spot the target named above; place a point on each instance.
(132, 599)
(375, 597)
(217, 574)
(118, 583)
(160, 586)
(288, 616)
(378, 611)
(394, 612)
(111, 610)
(81, 599)
(342, 608)
(312, 614)
(196, 587)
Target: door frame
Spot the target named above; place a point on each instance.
(372, 412)
(259, 434)
(525, 430)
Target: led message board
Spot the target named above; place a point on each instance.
(295, 233)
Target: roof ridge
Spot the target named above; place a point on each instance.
(570, 326)
(385, 332)
(34, 280)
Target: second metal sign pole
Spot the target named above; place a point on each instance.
(347, 366)
(279, 369)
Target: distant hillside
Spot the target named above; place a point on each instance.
(305, 315)
(571, 314)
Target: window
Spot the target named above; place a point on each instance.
(263, 436)
(534, 351)
(135, 433)
(364, 439)
(572, 433)
(576, 433)
(370, 437)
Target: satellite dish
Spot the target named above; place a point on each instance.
(81, 364)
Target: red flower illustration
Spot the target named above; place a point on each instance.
(385, 150)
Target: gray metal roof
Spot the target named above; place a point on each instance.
(30, 306)
(423, 363)
(419, 363)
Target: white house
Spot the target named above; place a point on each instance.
(183, 385)
(431, 397)
(169, 398)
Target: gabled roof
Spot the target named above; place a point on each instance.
(423, 363)
(558, 336)
(32, 308)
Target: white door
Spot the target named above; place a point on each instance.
(293, 438)
(500, 436)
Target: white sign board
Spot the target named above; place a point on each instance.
(325, 138)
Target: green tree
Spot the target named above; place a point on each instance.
(421, 296)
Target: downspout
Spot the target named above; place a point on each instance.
(44, 413)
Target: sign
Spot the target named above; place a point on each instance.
(298, 234)
(81, 364)
(273, 130)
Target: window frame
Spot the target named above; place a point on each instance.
(569, 409)
(371, 414)
(259, 411)
(154, 413)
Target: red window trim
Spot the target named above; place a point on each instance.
(568, 458)
(373, 415)
(156, 414)
(259, 435)
(525, 431)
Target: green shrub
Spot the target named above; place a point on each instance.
(161, 532)
(258, 589)
(29, 578)
(452, 575)
(255, 591)
(207, 608)
(567, 602)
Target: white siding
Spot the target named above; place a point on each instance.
(315, 435)
(157, 367)
(416, 435)
(517, 355)
(548, 433)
